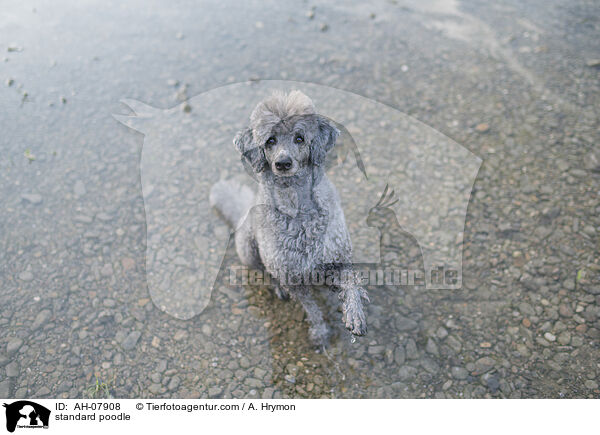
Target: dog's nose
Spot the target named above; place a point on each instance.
(284, 164)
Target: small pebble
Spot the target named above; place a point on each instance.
(482, 128)
(32, 198)
(13, 346)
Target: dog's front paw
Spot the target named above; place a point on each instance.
(354, 318)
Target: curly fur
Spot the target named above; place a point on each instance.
(294, 225)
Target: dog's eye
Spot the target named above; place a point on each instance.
(271, 141)
(298, 139)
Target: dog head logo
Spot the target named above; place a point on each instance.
(26, 414)
(384, 162)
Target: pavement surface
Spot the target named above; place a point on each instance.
(515, 83)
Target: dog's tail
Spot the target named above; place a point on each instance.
(232, 200)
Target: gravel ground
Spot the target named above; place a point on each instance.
(515, 84)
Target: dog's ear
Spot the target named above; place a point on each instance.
(324, 140)
(253, 157)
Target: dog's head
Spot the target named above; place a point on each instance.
(285, 135)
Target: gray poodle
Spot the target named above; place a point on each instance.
(294, 226)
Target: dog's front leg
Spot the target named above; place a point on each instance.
(351, 294)
(318, 331)
(280, 291)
